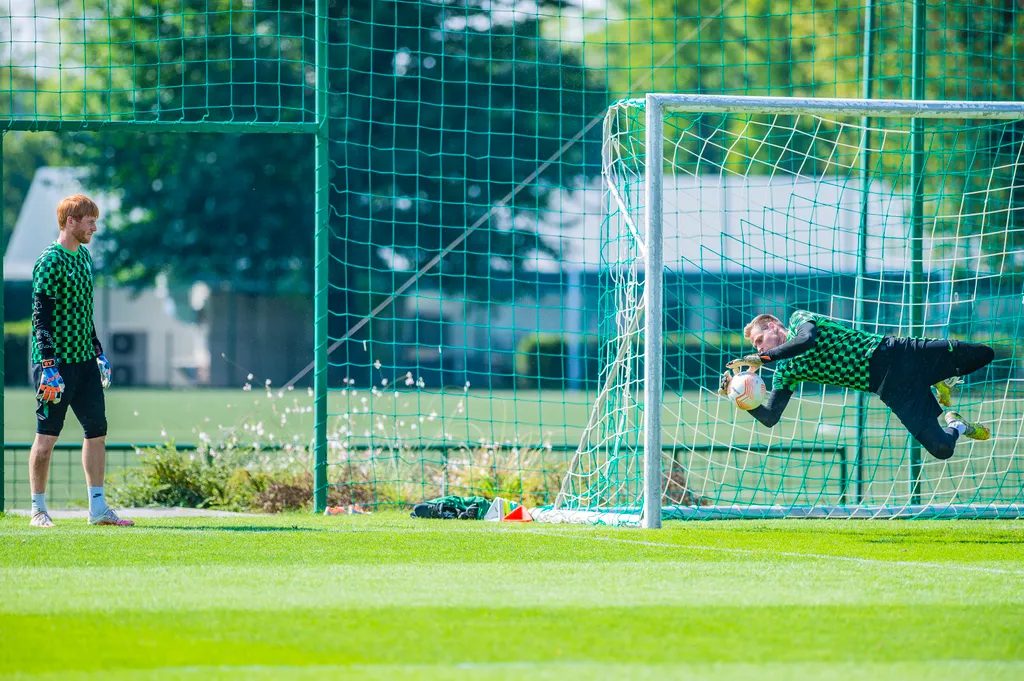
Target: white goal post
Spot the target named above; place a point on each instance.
(600, 486)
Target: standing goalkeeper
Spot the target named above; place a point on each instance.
(68, 365)
(901, 371)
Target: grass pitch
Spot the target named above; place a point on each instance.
(384, 596)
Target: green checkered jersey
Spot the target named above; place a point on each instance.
(62, 293)
(840, 355)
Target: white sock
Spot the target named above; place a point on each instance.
(38, 502)
(97, 501)
(959, 426)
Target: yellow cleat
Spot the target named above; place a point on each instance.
(944, 389)
(975, 431)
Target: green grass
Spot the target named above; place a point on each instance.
(385, 596)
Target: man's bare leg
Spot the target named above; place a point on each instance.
(94, 461)
(38, 473)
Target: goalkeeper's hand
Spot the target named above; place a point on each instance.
(723, 383)
(104, 370)
(753, 361)
(51, 385)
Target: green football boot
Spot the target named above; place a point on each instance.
(975, 431)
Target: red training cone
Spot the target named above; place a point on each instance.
(520, 515)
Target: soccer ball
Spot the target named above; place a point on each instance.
(747, 391)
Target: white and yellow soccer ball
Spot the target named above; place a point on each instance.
(747, 391)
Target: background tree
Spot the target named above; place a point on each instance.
(974, 51)
(416, 157)
(437, 109)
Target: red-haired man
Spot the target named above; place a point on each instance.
(68, 365)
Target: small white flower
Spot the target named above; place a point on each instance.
(376, 365)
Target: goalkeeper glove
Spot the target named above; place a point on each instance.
(104, 370)
(753, 361)
(723, 383)
(51, 385)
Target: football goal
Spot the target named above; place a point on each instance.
(903, 218)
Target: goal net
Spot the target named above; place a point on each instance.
(900, 218)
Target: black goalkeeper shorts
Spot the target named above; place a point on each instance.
(903, 371)
(83, 392)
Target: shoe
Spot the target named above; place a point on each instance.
(41, 519)
(108, 517)
(975, 431)
(944, 389)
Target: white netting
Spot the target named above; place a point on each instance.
(778, 212)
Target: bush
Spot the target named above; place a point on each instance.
(520, 473)
(540, 360)
(167, 477)
(233, 480)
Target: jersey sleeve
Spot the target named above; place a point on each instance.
(799, 318)
(803, 340)
(770, 413)
(45, 277)
(783, 379)
(96, 346)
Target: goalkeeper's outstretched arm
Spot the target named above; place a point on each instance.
(770, 412)
(805, 338)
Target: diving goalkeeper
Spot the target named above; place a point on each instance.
(901, 371)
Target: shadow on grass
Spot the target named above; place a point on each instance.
(943, 540)
(232, 528)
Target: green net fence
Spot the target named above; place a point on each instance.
(424, 180)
